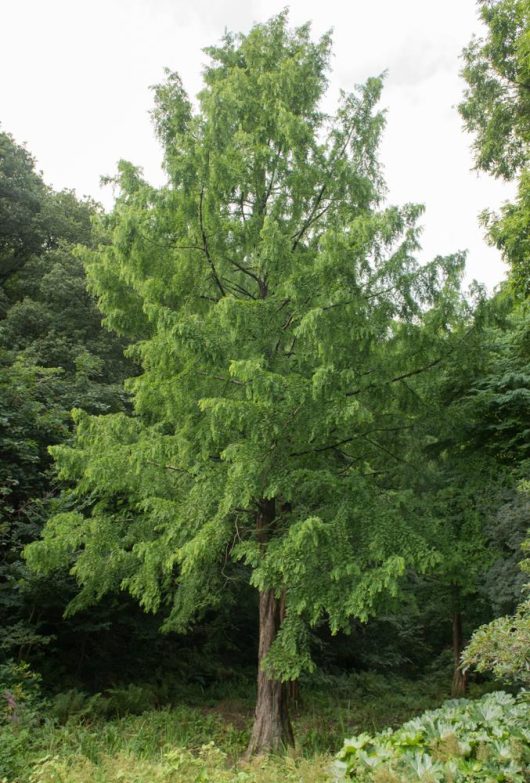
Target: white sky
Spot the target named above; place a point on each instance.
(76, 75)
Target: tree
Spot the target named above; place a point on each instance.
(54, 355)
(22, 193)
(281, 322)
(496, 109)
(497, 102)
(503, 646)
(497, 410)
(33, 218)
(475, 457)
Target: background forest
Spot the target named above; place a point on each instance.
(243, 430)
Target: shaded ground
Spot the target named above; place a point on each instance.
(202, 741)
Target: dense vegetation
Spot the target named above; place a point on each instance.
(239, 421)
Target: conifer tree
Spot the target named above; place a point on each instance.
(280, 320)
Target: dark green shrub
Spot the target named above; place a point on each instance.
(21, 709)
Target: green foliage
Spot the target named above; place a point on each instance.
(178, 765)
(74, 704)
(476, 451)
(461, 742)
(281, 322)
(509, 233)
(22, 195)
(503, 647)
(20, 704)
(496, 110)
(88, 747)
(54, 355)
(21, 692)
(504, 581)
(497, 102)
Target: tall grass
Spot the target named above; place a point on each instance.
(203, 741)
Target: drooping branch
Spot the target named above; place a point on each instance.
(386, 451)
(402, 377)
(221, 378)
(238, 288)
(263, 205)
(336, 444)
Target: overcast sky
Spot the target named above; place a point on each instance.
(76, 76)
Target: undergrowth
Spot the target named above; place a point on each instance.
(128, 734)
(461, 742)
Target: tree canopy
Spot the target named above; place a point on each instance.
(496, 110)
(281, 322)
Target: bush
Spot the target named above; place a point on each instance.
(75, 704)
(130, 700)
(20, 707)
(502, 646)
(463, 741)
(114, 703)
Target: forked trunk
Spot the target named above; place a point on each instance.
(272, 730)
(459, 684)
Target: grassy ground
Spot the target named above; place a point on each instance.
(202, 741)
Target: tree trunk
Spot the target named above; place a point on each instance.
(272, 730)
(458, 687)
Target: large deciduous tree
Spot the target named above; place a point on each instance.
(281, 322)
(496, 110)
(476, 449)
(54, 354)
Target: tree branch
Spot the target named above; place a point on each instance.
(206, 248)
(245, 271)
(397, 378)
(298, 236)
(338, 443)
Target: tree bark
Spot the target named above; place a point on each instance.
(459, 684)
(272, 730)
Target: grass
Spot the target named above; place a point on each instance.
(202, 741)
